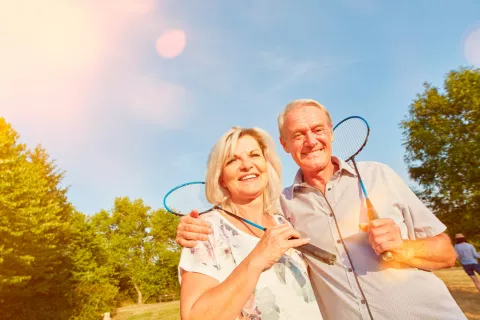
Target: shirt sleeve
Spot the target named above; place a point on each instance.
(420, 221)
(203, 258)
(475, 253)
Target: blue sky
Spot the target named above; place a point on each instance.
(123, 120)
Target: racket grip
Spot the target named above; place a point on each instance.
(372, 215)
(387, 256)
(317, 253)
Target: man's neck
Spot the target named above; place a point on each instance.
(319, 179)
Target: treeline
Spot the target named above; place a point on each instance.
(57, 263)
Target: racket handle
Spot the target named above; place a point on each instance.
(317, 253)
(372, 215)
(387, 256)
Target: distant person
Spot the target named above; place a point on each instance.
(467, 255)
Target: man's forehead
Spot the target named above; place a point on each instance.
(305, 119)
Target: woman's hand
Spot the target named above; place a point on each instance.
(273, 244)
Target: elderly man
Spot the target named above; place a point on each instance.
(325, 204)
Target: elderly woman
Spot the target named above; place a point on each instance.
(241, 272)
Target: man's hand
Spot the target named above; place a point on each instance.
(384, 235)
(191, 229)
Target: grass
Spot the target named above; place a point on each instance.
(463, 291)
(457, 281)
(163, 311)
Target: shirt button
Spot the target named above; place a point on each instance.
(363, 301)
(331, 214)
(329, 189)
(339, 241)
(350, 270)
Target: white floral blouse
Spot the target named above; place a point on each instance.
(282, 292)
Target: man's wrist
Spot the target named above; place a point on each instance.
(406, 253)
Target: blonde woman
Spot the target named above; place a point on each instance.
(241, 272)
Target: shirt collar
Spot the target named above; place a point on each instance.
(343, 168)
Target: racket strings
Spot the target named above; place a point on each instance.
(188, 197)
(350, 137)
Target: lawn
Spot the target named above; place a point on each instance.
(460, 285)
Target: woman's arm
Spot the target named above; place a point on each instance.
(203, 297)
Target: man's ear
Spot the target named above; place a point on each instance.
(332, 136)
(284, 144)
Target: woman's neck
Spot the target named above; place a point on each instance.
(251, 209)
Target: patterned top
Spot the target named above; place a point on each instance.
(282, 292)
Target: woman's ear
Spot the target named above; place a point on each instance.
(220, 181)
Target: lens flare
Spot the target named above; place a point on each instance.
(171, 43)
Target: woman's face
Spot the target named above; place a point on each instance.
(245, 173)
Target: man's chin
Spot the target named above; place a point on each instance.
(313, 165)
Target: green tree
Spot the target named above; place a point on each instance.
(442, 140)
(140, 244)
(164, 231)
(52, 263)
(126, 234)
(95, 284)
(34, 233)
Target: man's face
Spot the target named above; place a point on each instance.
(308, 136)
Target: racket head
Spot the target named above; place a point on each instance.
(350, 137)
(186, 197)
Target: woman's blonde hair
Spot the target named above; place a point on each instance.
(222, 151)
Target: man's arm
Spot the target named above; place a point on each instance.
(191, 229)
(429, 253)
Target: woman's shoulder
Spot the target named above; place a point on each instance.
(220, 225)
(211, 216)
(280, 218)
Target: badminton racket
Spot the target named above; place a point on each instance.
(183, 198)
(351, 136)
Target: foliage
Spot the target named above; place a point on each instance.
(442, 140)
(52, 265)
(141, 247)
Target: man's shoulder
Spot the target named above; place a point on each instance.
(375, 168)
(373, 165)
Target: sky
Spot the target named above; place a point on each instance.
(129, 96)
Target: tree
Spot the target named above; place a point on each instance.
(52, 264)
(126, 234)
(442, 140)
(164, 231)
(34, 233)
(140, 244)
(95, 285)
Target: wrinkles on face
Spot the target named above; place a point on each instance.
(308, 137)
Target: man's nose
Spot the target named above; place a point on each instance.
(310, 139)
